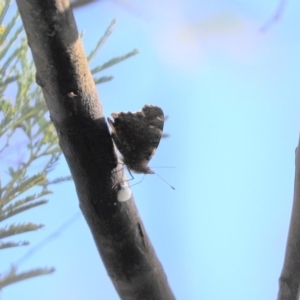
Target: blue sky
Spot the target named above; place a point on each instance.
(232, 96)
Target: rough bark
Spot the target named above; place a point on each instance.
(76, 112)
(289, 281)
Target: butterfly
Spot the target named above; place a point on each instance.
(137, 135)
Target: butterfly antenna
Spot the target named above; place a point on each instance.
(138, 181)
(172, 187)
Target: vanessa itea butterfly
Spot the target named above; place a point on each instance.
(137, 136)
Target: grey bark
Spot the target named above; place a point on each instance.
(76, 112)
(289, 281)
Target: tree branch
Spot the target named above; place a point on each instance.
(289, 281)
(76, 112)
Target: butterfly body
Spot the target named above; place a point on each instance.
(137, 135)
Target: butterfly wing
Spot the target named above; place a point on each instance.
(137, 136)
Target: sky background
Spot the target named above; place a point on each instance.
(232, 94)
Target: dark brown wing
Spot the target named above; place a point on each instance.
(137, 136)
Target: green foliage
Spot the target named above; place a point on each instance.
(112, 61)
(22, 118)
(25, 126)
(13, 276)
